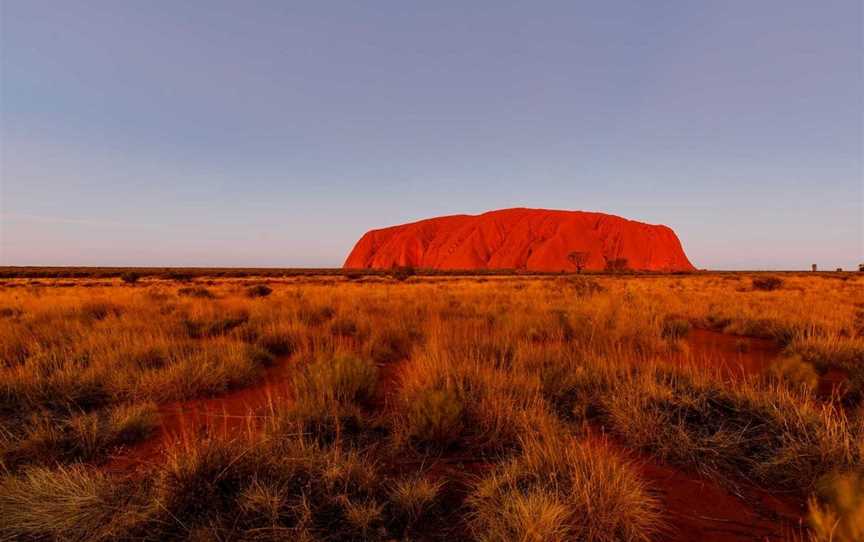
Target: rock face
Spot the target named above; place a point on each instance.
(526, 239)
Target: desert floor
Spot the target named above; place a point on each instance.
(707, 406)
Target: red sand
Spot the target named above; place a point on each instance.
(734, 356)
(230, 414)
(737, 356)
(698, 508)
(529, 239)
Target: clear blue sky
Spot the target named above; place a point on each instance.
(276, 133)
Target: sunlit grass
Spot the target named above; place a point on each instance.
(429, 408)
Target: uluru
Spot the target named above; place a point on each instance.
(522, 239)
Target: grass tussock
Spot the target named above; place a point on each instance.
(75, 437)
(258, 290)
(559, 489)
(343, 379)
(66, 503)
(415, 496)
(199, 292)
(767, 284)
(836, 512)
(444, 402)
(767, 433)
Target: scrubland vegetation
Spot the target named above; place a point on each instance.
(425, 408)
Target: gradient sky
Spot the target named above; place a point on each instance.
(275, 133)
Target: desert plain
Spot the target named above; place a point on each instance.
(155, 405)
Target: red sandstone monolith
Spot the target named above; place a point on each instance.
(523, 239)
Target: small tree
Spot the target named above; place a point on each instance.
(578, 259)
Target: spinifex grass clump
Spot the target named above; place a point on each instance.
(392, 343)
(767, 284)
(435, 416)
(447, 401)
(258, 290)
(837, 511)
(195, 291)
(770, 434)
(415, 496)
(68, 503)
(559, 489)
(278, 343)
(340, 380)
(328, 394)
(273, 486)
(675, 328)
(73, 437)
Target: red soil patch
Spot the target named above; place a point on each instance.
(229, 414)
(734, 355)
(530, 239)
(698, 508)
(738, 356)
(832, 383)
(234, 413)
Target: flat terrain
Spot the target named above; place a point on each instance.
(289, 405)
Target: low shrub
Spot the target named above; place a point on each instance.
(353, 274)
(211, 326)
(767, 284)
(196, 291)
(278, 343)
(99, 310)
(391, 344)
(258, 290)
(344, 327)
(130, 277)
(315, 316)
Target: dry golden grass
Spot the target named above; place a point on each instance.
(391, 379)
